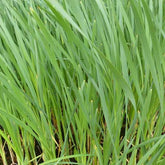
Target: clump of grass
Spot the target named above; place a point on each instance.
(82, 82)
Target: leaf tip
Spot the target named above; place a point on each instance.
(32, 10)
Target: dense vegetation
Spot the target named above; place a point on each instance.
(82, 82)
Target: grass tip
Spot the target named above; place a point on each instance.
(31, 9)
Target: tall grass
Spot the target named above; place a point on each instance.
(82, 82)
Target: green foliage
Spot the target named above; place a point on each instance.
(82, 82)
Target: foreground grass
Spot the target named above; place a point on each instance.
(82, 82)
